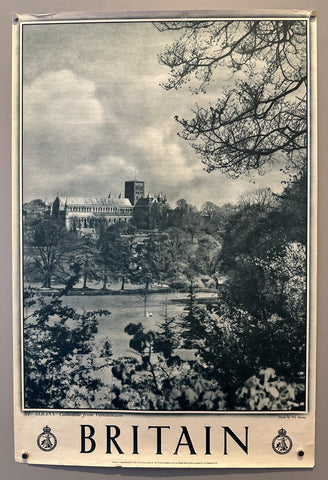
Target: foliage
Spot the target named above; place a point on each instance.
(45, 243)
(266, 391)
(255, 236)
(257, 324)
(153, 261)
(160, 380)
(83, 253)
(231, 346)
(193, 322)
(117, 253)
(215, 357)
(61, 359)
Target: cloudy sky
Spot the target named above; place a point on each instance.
(95, 115)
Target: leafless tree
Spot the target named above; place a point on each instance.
(259, 200)
(262, 115)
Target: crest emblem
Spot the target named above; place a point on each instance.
(46, 440)
(282, 443)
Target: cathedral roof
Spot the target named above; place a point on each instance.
(145, 201)
(95, 201)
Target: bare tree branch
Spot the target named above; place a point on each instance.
(255, 118)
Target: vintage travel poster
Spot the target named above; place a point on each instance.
(164, 226)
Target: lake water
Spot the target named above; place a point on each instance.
(126, 309)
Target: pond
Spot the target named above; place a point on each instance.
(130, 308)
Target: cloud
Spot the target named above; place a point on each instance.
(100, 117)
(62, 101)
(63, 122)
(167, 154)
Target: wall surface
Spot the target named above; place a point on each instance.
(12, 471)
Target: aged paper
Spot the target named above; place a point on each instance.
(164, 226)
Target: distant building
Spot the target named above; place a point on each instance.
(86, 214)
(134, 190)
(148, 211)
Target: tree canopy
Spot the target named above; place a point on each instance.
(261, 116)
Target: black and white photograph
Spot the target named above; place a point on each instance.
(166, 221)
(164, 215)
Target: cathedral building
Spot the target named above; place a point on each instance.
(86, 214)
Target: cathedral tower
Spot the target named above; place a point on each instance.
(134, 190)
